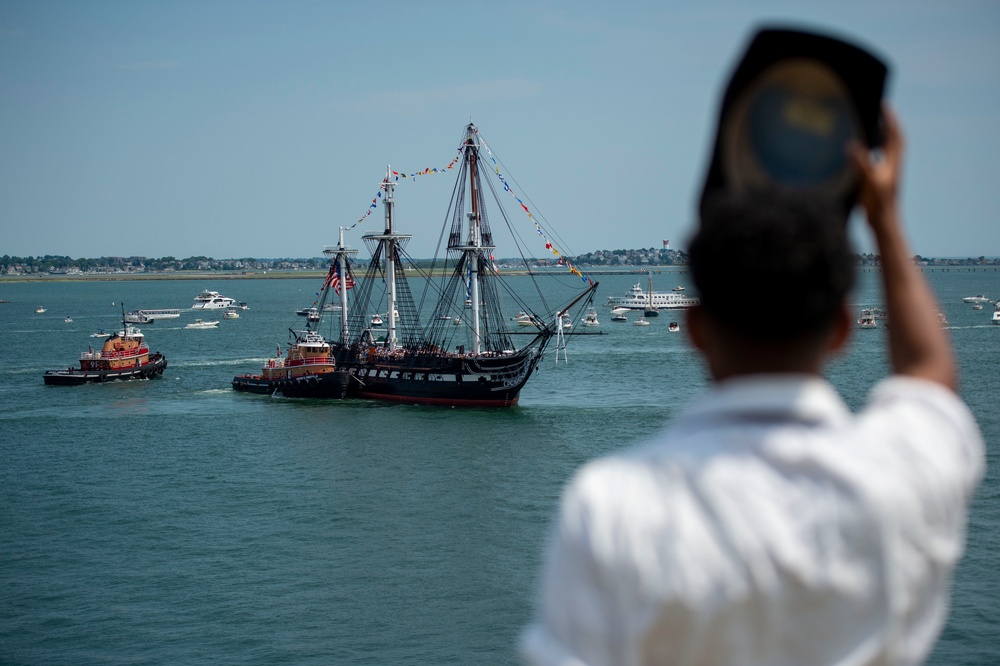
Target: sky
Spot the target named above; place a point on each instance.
(256, 129)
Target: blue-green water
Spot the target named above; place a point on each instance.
(175, 521)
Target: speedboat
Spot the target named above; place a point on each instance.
(100, 334)
(212, 300)
(231, 313)
(996, 314)
(590, 319)
(198, 323)
(376, 320)
(640, 322)
(867, 320)
(124, 355)
(68, 319)
(673, 327)
(567, 323)
(39, 310)
(978, 298)
(977, 306)
(619, 316)
(525, 319)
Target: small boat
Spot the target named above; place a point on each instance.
(68, 319)
(615, 311)
(619, 316)
(651, 310)
(212, 300)
(524, 319)
(39, 310)
(242, 305)
(565, 322)
(996, 314)
(307, 312)
(977, 306)
(231, 313)
(124, 355)
(376, 320)
(867, 320)
(198, 323)
(678, 289)
(100, 334)
(590, 319)
(978, 298)
(640, 322)
(673, 327)
(307, 371)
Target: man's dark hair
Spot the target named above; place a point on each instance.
(772, 266)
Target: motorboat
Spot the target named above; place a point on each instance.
(376, 320)
(100, 334)
(619, 316)
(124, 355)
(977, 306)
(212, 300)
(242, 305)
(867, 320)
(673, 327)
(996, 314)
(68, 319)
(566, 322)
(39, 310)
(678, 289)
(640, 322)
(231, 313)
(978, 298)
(524, 319)
(309, 370)
(590, 319)
(198, 323)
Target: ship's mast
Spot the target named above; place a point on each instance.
(474, 241)
(341, 252)
(390, 238)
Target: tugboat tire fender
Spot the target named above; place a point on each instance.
(104, 376)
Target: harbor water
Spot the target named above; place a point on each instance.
(175, 521)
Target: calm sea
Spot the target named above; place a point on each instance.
(175, 521)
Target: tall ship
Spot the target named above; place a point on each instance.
(428, 335)
(124, 355)
(638, 299)
(212, 300)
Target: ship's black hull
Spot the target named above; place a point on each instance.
(76, 377)
(326, 385)
(432, 379)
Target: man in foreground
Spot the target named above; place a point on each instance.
(769, 524)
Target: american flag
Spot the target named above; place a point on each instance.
(333, 279)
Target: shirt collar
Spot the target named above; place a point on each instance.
(802, 398)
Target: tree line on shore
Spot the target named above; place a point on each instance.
(57, 264)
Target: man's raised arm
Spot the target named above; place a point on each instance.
(918, 345)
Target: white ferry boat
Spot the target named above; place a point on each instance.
(637, 299)
(212, 300)
(162, 313)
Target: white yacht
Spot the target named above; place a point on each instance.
(212, 300)
(978, 298)
(198, 323)
(637, 299)
(590, 319)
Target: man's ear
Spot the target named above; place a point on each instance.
(840, 334)
(695, 326)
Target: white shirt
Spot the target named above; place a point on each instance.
(767, 525)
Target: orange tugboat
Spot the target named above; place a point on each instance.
(307, 371)
(123, 356)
